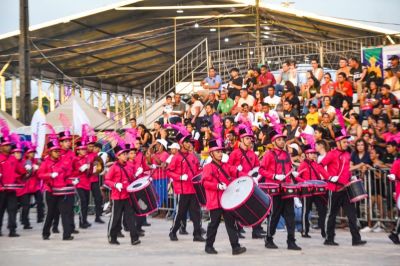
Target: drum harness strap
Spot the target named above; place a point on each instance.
(125, 172)
(247, 158)
(224, 173)
(282, 162)
(189, 166)
(311, 169)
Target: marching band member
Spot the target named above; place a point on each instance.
(183, 167)
(395, 176)
(118, 179)
(81, 172)
(276, 167)
(59, 190)
(338, 175)
(245, 157)
(216, 176)
(309, 170)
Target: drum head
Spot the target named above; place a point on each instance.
(139, 184)
(237, 193)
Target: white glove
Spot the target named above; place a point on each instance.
(139, 171)
(334, 179)
(75, 181)
(295, 174)
(392, 177)
(221, 186)
(84, 167)
(35, 167)
(169, 159)
(28, 167)
(239, 168)
(225, 158)
(119, 186)
(184, 177)
(54, 175)
(279, 177)
(153, 166)
(353, 178)
(297, 202)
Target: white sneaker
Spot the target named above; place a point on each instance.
(377, 230)
(366, 230)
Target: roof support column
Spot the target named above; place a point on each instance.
(61, 93)
(123, 106)
(108, 103)
(91, 99)
(258, 32)
(14, 97)
(131, 114)
(39, 86)
(52, 97)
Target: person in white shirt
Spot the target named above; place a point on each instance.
(245, 97)
(260, 119)
(271, 98)
(304, 128)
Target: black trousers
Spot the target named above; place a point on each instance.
(119, 208)
(64, 205)
(98, 199)
(25, 201)
(9, 202)
(215, 220)
(320, 203)
(84, 202)
(39, 205)
(284, 207)
(187, 202)
(335, 201)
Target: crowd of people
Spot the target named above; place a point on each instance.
(273, 129)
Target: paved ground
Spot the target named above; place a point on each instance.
(90, 247)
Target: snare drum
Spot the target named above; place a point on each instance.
(199, 188)
(356, 191)
(246, 201)
(13, 186)
(143, 196)
(271, 189)
(319, 187)
(289, 191)
(62, 191)
(305, 189)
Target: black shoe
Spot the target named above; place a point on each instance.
(240, 235)
(305, 235)
(113, 242)
(83, 226)
(257, 235)
(238, 250)
(203, 232)
(55, 231)
(146, 224)
(120, 234)
(330, 243)
(126, 229)
(395, 238)
(292, 246)
(269, 243)
(40, 220)
(182, 231)
(140, 233)
(135, 242)
(46, 237)
(263, 232)
(141, 230)
(13, 234)
(1, 234)
(199, 239)
(242, 231)
(28, 227)
(88, 224)
(211, 250)
(99, 220)
(68, 238)
(75, 232)
(359, 243)
(323, 234)
(173, 237)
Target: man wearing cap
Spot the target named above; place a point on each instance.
(276, 167)
(183, 167)
(245, 159)
(337, 162)
(216, 176)
(394, 63)
(309, 169)
(118, 179)
(59, 190)
(81, 173)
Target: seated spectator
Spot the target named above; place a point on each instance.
(285, 74)
(212, 98)
(258, 99)
(225, 105)
(327, 109)
(304, 128)
(359, 72)
(196, 111)
(245, 116)
(289, 111)
(343, 89)
(291, 130)
(289, 93)
(327, 127)
(310, 92)
(343, 67)
(374, 156)
(391, 154)
(312, 116)
(390, 79)
(317, 70)
(245, 97)
(368, 100)
(378, 130)
(272, 99)
(146, 139)
(208, 116)
(178, 110)
(156, 132)
(228, 126)
(354, 129)
(132, 121)
(195, 135)
(347, 110)
(393, 133)
(387, 101)
(235, 83)
(167, 110)
(212, 82)
(259, 118)
(394, 64)
(264, 80)
(250, 80)
(322, 147)
(328, 86)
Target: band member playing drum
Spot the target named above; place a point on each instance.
(183, 167)
(338, 175)
(309, 170)
(276, 167)
(216, 176)
(395, 176)
(245, 156)
(118, 179)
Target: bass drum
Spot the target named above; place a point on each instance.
(246, 201)
(143, 196)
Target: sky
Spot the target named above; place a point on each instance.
(386, 11)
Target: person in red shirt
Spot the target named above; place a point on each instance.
(309, 169)
(264, 80)
(343, 90)
(183, 167)
(216, 176)
(395, 177)
(337, 162)
(118, 179)
(276, 167)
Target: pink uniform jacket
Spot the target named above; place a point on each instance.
(276, 162)
(308, 170)
(119, 173)
(396, 171)
(84, 177)
(338, 164)
(238, 157)
(50, 166)
(178, 167)
(11, 170)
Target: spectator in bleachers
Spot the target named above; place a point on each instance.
(272, 99)
(327, 127)
(368, 99)
(212, 98)
(259, 118)
(196, 111)
(379, 128)
(178, 110)
(235, 83)
(245, 116)
(289, 111)
(347, 110)
(285, 74)
(208, 116)
(327, 109)
(354, 129)
(390, 79)
(343, 67)
(168, 107)
(393, 132)
(264, 80)
(387, 101)
(132, 121)
(360, 159)
(304, 128)
(343, 89)
(390, 154)
(146, 139)
(156, 131)
(225, 104)
(359, 72)
(289, 93)
(245, 97)
(317, 70)
(212, 82)
(250, 80)
(258, 99)
(291, 130)
(310, 92)
(394, 63)
(322, 147)
(312, 116)
(327, 88)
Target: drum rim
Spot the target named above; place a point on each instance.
(358, 198)
(353, 182)
(264, 216)
(269, 183)
(245, 200)
(145, 184)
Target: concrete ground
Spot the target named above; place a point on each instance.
(90, 247)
